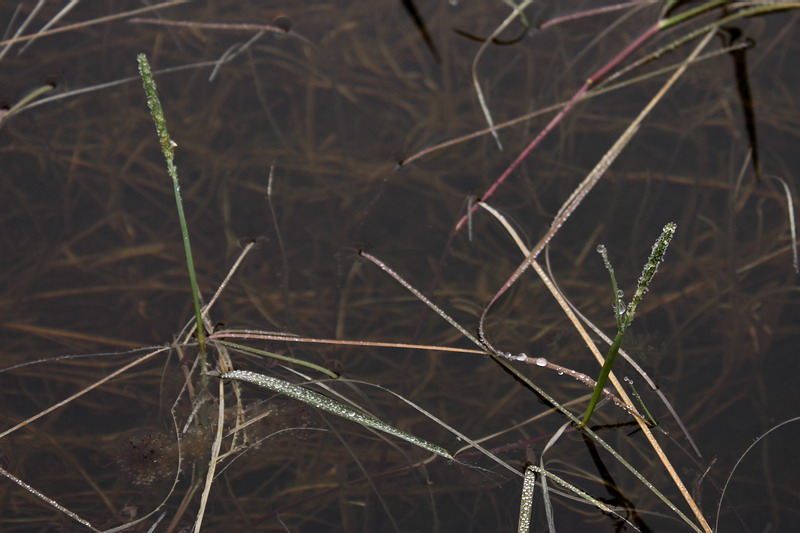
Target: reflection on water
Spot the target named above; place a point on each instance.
(295, 143)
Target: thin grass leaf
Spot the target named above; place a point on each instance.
(28, 98)
(472, 443)
(213, 461)
(722, 496)
(518, 10)
(420, 297)
(690, 13)
(792, 225)
(331, 406)
(83, 391)
(548, 504)
(49, 501)
(292, 360)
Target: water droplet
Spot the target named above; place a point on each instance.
(541, 361)
(601, 249)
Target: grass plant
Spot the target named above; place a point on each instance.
(334, 392)
(623, 314)
(168, 149)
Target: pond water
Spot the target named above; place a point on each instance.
(295, 141)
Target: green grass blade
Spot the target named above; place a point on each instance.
(28, 98)
(293, 360)
(168, 149)
(602, 379)
(329, 405)
(691, 13)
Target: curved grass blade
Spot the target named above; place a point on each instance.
(329, 405)
(25, 100)
(792, 225)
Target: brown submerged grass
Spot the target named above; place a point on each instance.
(92, 267)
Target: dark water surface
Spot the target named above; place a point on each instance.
(295, 144)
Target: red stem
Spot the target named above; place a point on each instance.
(594, 78)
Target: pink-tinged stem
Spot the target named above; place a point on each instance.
(594, 78)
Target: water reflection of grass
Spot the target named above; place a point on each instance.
(102, 271)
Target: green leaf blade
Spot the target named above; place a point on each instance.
(329, 405)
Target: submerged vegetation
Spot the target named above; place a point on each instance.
(357, 346)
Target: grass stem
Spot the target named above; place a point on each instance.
(168, 149)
